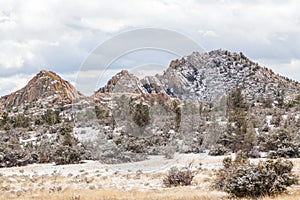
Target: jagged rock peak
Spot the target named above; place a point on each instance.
(46, 84)
(153, 85)
(123, 82)
(209, 75)
(197, 58)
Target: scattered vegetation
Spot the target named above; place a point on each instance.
(170, 150)
(51, 117)
(240, 134)
(179, 176)
(68, 151)
(60, 147)
(240, 178)
(218, 150)
(141, 115)
(280, 143)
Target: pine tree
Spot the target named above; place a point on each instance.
(236, 136)
(141, 115)
(250, 139)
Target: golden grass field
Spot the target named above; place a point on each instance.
(96, 185)
(175, 193)
(178, 193)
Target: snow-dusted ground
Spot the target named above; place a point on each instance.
(142, 175)
(154, 164)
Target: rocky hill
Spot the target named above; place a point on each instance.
(131, 118)
(197, 77)
(208, 76)
(153, 85)
(47, 86)
(123, 82)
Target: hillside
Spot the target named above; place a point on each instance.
(205, 76)
(214, 101)
(123, 82)
(208, 76)
(46, 86)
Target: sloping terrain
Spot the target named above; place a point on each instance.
(197, 103)
(47, 86)
(205, 76)
(123, 82)
(132, 131)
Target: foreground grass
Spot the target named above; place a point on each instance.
(284, 197)
(23, 187)
(175, 193)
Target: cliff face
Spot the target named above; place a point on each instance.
(153, 85)
(207, 76)
(45, 85)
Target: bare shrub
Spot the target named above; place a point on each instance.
(179, 177)
(66, 155)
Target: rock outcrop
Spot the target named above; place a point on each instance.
(153, 85)
(46, 86)
(123, 82)
(130, 118)
(206, 77)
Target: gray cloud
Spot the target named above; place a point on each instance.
(59, 35)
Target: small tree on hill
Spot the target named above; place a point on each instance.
(240, 133)
(68, 151)
(141, 115)
(4, 120)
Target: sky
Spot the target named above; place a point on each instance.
(60, 35)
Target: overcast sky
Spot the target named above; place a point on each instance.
(59, 35)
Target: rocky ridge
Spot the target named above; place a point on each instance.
(130, 118)
(206, 77)
(197, 77)
(123, 82)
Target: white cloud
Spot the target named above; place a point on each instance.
(89, 81)
(208, 33)
(14, 54)
(104, 24)
(290, 68)
(13, 83)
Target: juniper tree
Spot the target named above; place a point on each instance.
(4, 119)
(239, 134)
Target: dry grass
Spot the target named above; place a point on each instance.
(175, 193)
(284, 197)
